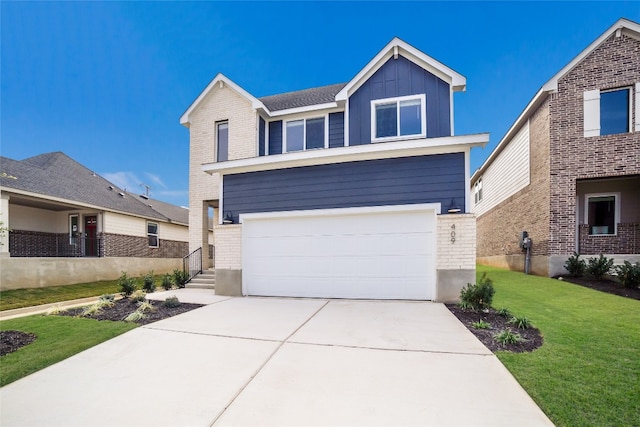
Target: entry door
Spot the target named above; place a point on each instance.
(91, 235)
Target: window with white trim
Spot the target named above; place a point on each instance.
(222, 141)
(607, 112)
(152, 234)
(74, 229)
(602, 213)
(305, 134)
(477, 191)
(396, 118)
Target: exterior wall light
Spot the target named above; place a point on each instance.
(228, 218)
(453, 207)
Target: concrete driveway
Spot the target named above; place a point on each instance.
(278, 361)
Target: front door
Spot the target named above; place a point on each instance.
(91, 235)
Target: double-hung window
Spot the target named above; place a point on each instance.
(608, 112)
(398, 118)
(305, 134)
(222, 141)
(602, 213)
(477, 191)
(152, 234)
(73, 229)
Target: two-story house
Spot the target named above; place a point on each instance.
(353, 190)
(568, 169)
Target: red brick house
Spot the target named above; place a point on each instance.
(568, 169)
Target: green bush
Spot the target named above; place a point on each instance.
(575, 266)
(478, 296)
(520, 322)
(167, 282)
(600, 266)
(504, 312)
(148, 284)
(507, 337)
(481, 324)
(172, 302)
(127, 284)
(180, 277)
(628, 274)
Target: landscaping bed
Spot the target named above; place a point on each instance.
(608, 286)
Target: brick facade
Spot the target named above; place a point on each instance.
(40, 244)
(456, 242)
(626, 241)
(118, 245)
(228, 246)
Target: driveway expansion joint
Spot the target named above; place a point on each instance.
(391, 349)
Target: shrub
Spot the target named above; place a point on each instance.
(137, 296)
(628, 274)
(145, 306)
(135, 316)
(575, 266)
(481, 324)
(127, 284)
(520, 322)
(180, 277)
(600, 266)
(505, 337)
(167, 282)
(172, 302)
(478, 296)
(148, 284)
(504, 312)
(91, 310)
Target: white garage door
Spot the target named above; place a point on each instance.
(377, 253)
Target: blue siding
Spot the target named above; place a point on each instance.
(409, 180)
(400, 77)
(336, 130)
(275, 137)
(261, 137)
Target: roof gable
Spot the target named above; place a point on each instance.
(398, 47)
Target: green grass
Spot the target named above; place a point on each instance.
(58, 338)
(587, 373)
(19, 298)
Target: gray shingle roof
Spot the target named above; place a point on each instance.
(302, 98)
(177, 214)
(58, 175)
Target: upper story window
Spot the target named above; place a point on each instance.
(222, 141)
(394, 118)
(602, 213)
(152, 234)
(477, 191)
(305, 134)
(615, 111)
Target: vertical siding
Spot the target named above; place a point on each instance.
(400, 77)
(409, 180)
(336, 130)
(508, 174)
(261, 137)
(275, 137)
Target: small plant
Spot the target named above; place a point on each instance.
(107, 297)
(600, 266)
(180, 277)
(137, 296)
(148, 284)
(575, 266)
(504, 312)
(172, 302)
(55, 310)
(628, 274)
(167, 282)
(91, 310)
(104, 303)
(145, 306)
(135, 316)
(520, 322)
(481, 324)
(505, 337)
(127, 284)
(478, 296)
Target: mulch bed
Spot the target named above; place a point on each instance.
(532, 337)
(608, 286)
(11, 341)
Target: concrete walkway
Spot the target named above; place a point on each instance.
(279, 361)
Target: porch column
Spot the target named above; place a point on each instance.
(4, 225)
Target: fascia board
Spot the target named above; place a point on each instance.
(255, 102)
(456, 80)
(416, 147)
(622, 24)
(308, 108)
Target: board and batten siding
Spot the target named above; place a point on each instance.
(400, 77)
(399, 181)
(508, 174)
(336, 130)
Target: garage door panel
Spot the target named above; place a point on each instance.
(388, 255)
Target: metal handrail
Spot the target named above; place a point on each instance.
(192, 264)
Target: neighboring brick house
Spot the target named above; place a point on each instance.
(337, 191)
(568, 169)
(57, 208)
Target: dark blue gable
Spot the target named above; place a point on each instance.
(407, 180)
(400, 77)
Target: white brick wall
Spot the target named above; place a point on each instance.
(222, 103)
(461, 253)
(228, 246)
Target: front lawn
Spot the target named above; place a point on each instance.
(57, 338)
(587, 372)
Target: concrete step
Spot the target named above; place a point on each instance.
(205, 280)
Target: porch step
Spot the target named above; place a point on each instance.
(204, 280)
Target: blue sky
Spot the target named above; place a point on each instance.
(106, 82)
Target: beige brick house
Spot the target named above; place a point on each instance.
(568, 169)
(352, 190)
